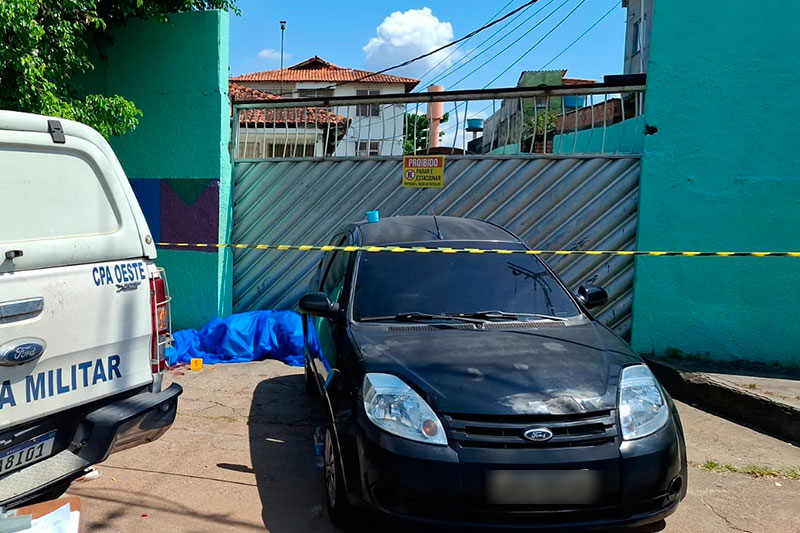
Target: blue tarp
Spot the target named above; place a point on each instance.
(242, 337)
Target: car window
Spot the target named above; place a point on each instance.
(325, 263)
(62, 189)
(388, 284)
(333, 283)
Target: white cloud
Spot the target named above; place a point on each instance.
(269, 53)
(404, 35)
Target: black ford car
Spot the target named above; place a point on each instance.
(475, 389)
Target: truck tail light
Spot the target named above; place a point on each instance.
(162, 323)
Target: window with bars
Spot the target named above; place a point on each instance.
(368, 110)
(264, 149)
(314, 93)
(368, 148)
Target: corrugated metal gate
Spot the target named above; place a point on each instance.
(552, 202)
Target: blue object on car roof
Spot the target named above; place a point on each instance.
(240, 338)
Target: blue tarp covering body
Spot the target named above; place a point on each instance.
(242, 337)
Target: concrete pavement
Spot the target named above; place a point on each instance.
(239, 458)
(764, 397)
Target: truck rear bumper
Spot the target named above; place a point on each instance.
(111, 428)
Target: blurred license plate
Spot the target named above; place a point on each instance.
(26, 452)
(548, 487)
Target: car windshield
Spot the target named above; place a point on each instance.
(389, 284)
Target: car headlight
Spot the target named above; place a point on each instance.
(642, 408)
(396, 408)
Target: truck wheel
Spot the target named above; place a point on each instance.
(339, 509)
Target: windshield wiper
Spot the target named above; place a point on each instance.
(500, 315)
(410, 316)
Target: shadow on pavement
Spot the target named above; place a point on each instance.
(281, 428)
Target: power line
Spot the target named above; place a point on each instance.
(445, 74)
(448, 56)
(437, 50)
(590, 28)
(562, 21)
(582, 35)
(450, 68)
(466, 38)
(528, 51)
(537, 43)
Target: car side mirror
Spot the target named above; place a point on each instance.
(591, 295)
(318, 304)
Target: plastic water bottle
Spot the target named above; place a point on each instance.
(319, 448)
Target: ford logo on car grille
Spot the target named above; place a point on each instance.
(538, 434)
(21, 351)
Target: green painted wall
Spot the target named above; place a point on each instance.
(721, 174)
(624, 137)
(177, 74)
(225, 263)
(535, 78)
(192, 278)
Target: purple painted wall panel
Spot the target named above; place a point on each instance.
(184, 220)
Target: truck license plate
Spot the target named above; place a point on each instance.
(26, 452)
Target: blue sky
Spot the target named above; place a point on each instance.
(340, 31)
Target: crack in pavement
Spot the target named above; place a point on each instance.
(178, 474)
(204, 432)
(720, 515)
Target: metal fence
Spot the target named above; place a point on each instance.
(551, 201)
(574, 119)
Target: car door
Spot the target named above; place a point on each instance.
(329, 330)
(315, 352)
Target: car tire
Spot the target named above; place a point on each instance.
(339, 509)
(311, 387)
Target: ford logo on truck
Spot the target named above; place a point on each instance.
(21, 351)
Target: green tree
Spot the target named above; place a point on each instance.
(538, 124)
(416, 130)
(45, 44)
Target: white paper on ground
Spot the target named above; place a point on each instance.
(59, 521)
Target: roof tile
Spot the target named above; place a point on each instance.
(317, 69)
(281, 116)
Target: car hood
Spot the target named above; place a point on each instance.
(548, 370)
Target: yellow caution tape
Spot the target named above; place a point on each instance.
(447, 250)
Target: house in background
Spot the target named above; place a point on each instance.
(518, 119)
(286, 131)
(616, 124)
(638, 26)
(380, 126)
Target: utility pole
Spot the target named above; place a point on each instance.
(283, 30)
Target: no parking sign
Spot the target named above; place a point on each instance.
(423, 171)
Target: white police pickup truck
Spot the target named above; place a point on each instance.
(84, 311)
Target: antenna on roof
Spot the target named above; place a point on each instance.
(435, 222)
(283, 29)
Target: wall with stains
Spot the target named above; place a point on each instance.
(177, 158)
(720, 174)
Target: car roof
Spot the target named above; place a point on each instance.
(422, 229)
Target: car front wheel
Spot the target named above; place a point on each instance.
(339, 509)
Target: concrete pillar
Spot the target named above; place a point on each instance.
(435, 113)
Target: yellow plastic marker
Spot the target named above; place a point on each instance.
(196, 364)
